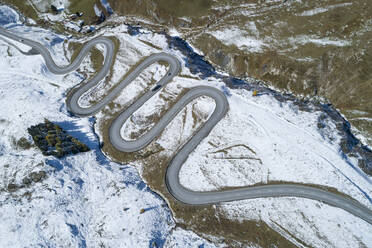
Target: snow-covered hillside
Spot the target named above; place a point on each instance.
(89, 201)
(84, 200)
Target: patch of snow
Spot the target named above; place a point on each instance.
(72, 26)
(8, 16)
(303, 39)
(173, 32)
(44, 6)
(97, 11)
(240, 38)
(182, 238)
(107, 6)
(323, 9)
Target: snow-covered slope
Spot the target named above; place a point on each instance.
(87, 200)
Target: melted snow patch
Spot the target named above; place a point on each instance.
(303, 39)
(182, 238)
(240, 38)
(323, 9)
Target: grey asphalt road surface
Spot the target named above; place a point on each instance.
(172, 174)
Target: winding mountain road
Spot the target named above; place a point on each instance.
(172, 174)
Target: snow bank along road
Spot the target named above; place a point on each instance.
(172, 174)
